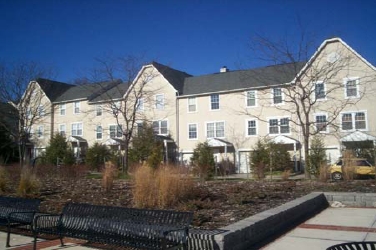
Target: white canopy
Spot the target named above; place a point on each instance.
(282, 139)
(358, 136)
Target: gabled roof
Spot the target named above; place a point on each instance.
(115, 92)
(94, 91)
(53, 89)
(173, 76)
(242, 79)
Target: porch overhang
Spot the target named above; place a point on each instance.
(114, 142)
(76, 139)
(358, 139)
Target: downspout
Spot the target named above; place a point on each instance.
(52, 121)
(177, 125)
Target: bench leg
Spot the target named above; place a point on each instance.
(61, 241)
(8, 236)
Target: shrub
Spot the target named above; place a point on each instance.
(96, 156)
(59, 149)
(317, 156)
(260, 159)
(3, 179)
(29, 183)
(203, 161)
(161, 188)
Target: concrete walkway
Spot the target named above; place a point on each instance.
(332, 226)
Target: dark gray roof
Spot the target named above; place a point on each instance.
(87, 91)
(53, 89)
(116, 92)
(175, 77)
(242, 79)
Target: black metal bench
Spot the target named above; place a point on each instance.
(139, 228)
(370, 245)
(17, 211)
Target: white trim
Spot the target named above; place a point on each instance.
(116, 130)
(82, 125)
(40, 130)
(278, 118)
(65, 109)
(215, 129)
(314, 91)
(192, 139)
(162, 103)
(139, 107)
(210, 102)
(159, 126)
(96, 109)
(246, 127)
(326, 117)
(347, 79)
(282, 96)
(96, 132)
(196, 106)
(353, 120)
(246, 98)
(65, 129)
(74, 107)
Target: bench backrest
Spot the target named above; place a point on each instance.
(80, 216)
(20, 204)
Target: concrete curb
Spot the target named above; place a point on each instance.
(251, 232)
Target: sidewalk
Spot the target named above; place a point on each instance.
(330, 227)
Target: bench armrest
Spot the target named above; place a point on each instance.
(21, 216)
(46, 221)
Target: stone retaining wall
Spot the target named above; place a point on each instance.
(352, 199)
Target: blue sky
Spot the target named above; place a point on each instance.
(198, 37)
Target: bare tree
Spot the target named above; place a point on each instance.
(26, 98)
(124, 109)
(318, 84)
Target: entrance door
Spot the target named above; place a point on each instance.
(244, 166)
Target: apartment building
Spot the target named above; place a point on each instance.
(231, 110)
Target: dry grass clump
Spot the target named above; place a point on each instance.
(324, 174)
(161, 187)
(29, 183)
(109, 173)
(3, 179)
(348, 170)
(286, 174)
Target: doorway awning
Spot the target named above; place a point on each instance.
(358, 139)
(215, 142)
(282, 139)
(114, 141)
(77, 139)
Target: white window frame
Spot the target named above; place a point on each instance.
(353, 121)
(215, 123)
(99, 131)
(189, 131)
(326, 130)
(192, 105)
(118, 130)
(159, 104)
(77, 124)
(324, 85)
(98, 110)
(282, 97)
(76, 105)
(159, 132)
(247, 98)
(140, 104)
(40, 131)
(41, 112)
(247, 127)
(279, 125)
(62, 109)
(345, 81)
(211, 102)
(63, 130)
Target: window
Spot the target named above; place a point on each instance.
(192, 131)
(140, 104)
(98, 110)
(160, 127)
(116, 131)
(192, 106)
(251, 128)
(251, 98)
(351, 87)
(354, 121)
(159, 102)
(62, 129)
(279, 126)
(320, 90)
(76, 107)
(277, 95)
(77, 129)
(40, 131)
(41, 111)
(321, 123)
(140, 128)
(214, 102)
(116, 107)
(215, 129)
(62, 108)
(99, 131)
(28, 114)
